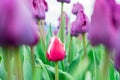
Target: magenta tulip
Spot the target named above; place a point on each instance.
(56, 50)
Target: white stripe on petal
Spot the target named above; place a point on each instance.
(51, 43)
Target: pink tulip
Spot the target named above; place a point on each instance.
(56, 50)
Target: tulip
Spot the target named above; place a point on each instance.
(76, 8)
(17, 27)
(102, 29)
(81, 22)
(80, 25)
(56, 50)
(62, 1)
(38, 8)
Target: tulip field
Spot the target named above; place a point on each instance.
(82, 49)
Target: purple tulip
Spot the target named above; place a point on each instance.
(17, 26)
(38, 8)
(76, 7)
(82, 22)
(102, 29)
(62, 1)
(80, 25)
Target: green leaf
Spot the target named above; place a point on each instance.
(0, 59)
(74, 63)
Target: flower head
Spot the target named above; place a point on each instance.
(66, 1)
(17, 27)
(102, 29)
(80, 25)
(38, 8)
(77, 7)
(56, 50)
(82, 22)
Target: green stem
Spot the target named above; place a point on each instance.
(61, 22)
(62, 33)
(56, 71)
(95, 66)
(7, 62)
(42, 36)
(32, 60)
(84, 44)
(69, 53)
(104, 71)
(18, 64)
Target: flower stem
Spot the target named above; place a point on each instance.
(56, 71)
(7, 62)
(32, 60)
(94, 57)
(84, 44)
(69, 53)
(105, 66)
(62, 32)
(61, 22)
(18, 64)
(42, 35)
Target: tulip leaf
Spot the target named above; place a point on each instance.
(74, 63)
(0, 59)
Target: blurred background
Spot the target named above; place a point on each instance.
(54, 10)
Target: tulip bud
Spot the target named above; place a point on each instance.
(66, 1)
(56, 50)
(77, 7)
